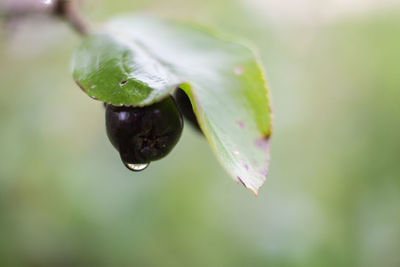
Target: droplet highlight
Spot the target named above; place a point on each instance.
(136, 167)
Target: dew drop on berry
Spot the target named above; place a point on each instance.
(136, 167)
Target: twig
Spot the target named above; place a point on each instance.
(69, 11)
(66, 9)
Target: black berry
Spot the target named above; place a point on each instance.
(144, 134)
(185, 107)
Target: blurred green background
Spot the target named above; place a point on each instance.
(332, 197)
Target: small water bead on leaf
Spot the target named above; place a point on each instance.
(136, 167)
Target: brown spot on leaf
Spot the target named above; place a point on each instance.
(263, 172)
(267, 135)
(246, 166)
(263, 143)
(241, 124)
(123, 82)
(239, 70)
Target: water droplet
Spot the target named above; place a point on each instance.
(136, 167)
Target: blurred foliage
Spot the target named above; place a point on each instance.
(333, 193)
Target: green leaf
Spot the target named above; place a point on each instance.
(119, 71)
(139, 60)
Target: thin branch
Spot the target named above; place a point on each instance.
(67, 10)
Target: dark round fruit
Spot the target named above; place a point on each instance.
(144, 134)
(185, 107)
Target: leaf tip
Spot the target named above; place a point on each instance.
(254, 190)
